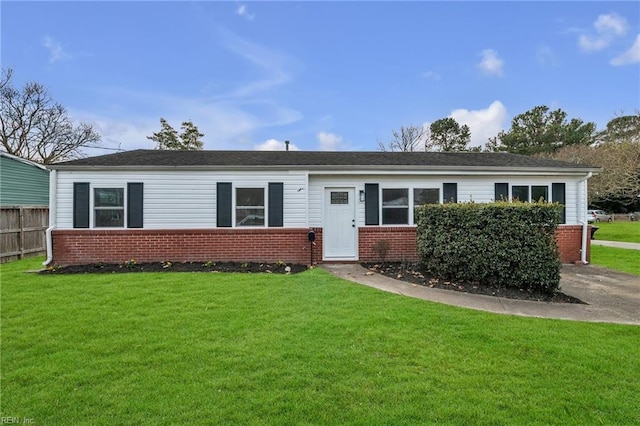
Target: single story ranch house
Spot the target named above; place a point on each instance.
(151, 205)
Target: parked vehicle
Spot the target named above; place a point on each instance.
(635, 216)
(599, 216)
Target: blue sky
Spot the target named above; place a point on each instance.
(324, 75)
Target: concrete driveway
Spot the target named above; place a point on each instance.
(610, 296)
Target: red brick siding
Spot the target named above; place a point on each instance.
(569, 239)
(246, 245)
(402, 241)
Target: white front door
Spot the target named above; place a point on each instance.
(340, 229)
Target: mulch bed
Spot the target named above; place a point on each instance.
(132, 266)
(417, 274)
(413, 273)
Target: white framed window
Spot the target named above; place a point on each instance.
(423, 196)
(528, 193)
(108, 207)
(520, 193)
(250, 207)
(539, 192)
(395, 206)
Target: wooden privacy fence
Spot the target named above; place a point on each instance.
(22, 231)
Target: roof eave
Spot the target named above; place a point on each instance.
(23, 160)
(330, 168)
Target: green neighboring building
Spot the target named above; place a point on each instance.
(22, 182)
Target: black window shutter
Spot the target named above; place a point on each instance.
(558, 196)
(276, 204)
(223, 208)
(450, 192)
(371, 204)
(81, 205)
(135, 196)
(501, 192)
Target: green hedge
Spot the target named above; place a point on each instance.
(502, 244)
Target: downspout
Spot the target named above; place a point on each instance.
(53, 202)
(584, 222)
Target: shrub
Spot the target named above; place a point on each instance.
(501, 244)
(381, 248)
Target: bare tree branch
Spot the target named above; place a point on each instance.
(407, 139)
(35, 127)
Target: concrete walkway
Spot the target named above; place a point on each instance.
(617, 244)
(611, 296)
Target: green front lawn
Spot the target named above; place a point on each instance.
(205, 348)
(625, 260)
(618, 231)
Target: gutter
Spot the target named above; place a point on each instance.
(584, 222)
(343, 169)
(53, 190)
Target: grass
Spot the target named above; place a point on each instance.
(616, 258)
(168, 348)
(625, 260)
(618, 231)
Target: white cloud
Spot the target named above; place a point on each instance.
(272, 64)
(611, 24)
(243, 11)
(134, 115)
(275, 145)
(491, 64)
(229, 120)
(631, 56)
(483, 123)
(431, 75)
(117, 134)
(329, 141)
(545, 56)
(56, 52)
(592, 44)
(607, 27)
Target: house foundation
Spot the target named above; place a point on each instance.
(291, 245)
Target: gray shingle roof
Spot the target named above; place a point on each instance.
(317, 159)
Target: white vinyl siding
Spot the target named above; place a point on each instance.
(317, 183)
(179, 199)
(183, 199)
(480, 189)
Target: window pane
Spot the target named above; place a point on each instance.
(250, 197)
(520, 193)
(501, 192)
(108, 197)
(395, 206)
(426, 196)
(250, 207)
(339, 198)
(395, 216)
(538, 192)
(250, 217)
(109, 218)
(395, 197)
